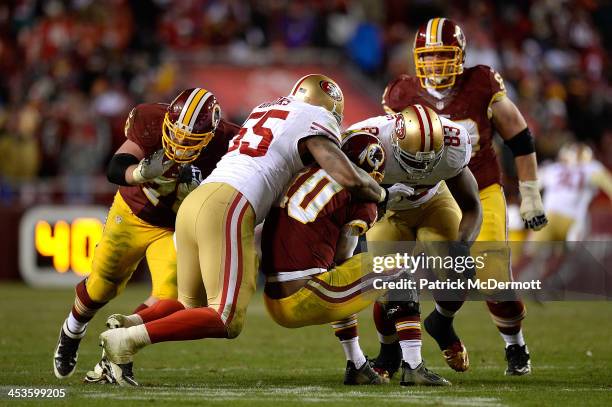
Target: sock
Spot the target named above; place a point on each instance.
(83, 310)
(160, 309)
(346, 331)
(353, 352)
(448, 308)
(409, 332)
(73, 327)
(440, 327)
(516, 339)
(385, 328)
(140, 308)
(187, 324)
(507, 317)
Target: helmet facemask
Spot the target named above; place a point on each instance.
(438, 66)
(180, 144)
(418, 165)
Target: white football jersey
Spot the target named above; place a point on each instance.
(454, 158)
(263, 156)
(568, 189)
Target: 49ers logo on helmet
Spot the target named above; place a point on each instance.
(332, 90)
(400, 128)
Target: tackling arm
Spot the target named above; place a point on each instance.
(465, 191)
(337, 165)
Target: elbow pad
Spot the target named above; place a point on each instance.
(117, 166)
(522, 143)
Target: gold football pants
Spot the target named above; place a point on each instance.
(126, 239)
(331, 296)
(217, 262)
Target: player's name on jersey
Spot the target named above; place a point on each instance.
(454, 284)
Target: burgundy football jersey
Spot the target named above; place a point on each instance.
(467, 103)
(304, 231)
(155, 202)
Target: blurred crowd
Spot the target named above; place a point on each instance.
(72, 69)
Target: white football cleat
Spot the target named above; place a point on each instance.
(118, 353)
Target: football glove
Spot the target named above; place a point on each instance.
(190, 177)
(151, 167)
(532, 209)
(395, 193)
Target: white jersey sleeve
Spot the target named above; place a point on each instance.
(456, 155)
(263, 156)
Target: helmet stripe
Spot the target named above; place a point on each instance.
(426, 127)
(191, 107)
(428, 32)
(439, 33)
(434, 31)
(431, 133)
(186, 105)
(418, 115)
(198, 108)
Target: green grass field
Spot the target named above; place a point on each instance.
(570, 344)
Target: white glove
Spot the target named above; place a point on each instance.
(151, 167)
(399, 191)
(532, 209)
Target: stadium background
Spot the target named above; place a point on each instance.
(71, 70)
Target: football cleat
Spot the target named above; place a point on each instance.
(456, 357)
(388, 361)
(119, 373)
(519, 362)
(66, 352)
(364, 375)
(97, 375)
(421, 376)
(117, 346)
(118, 321)
(453, 350)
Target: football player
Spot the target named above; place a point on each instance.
(312, 276)
(217, 262)
(475, 98)
(430, 154)
(168, 150)
(569, 187)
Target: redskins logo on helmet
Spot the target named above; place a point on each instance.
(439, 53)
(364, 149)
(190, 124)
(320, 90)
(420, 149)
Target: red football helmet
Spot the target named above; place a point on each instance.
(190, 124)
(364, 149)
(439, 53)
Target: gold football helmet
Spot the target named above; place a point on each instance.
(418, 140)
(320, 90)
